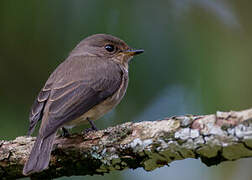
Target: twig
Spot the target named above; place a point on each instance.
(224, 136)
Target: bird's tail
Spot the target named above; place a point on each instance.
(40, 154)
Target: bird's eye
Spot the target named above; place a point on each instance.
(110, 48)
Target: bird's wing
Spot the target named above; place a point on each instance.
(71, 98)
(37, 108)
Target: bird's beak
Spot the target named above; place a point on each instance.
(133, 52)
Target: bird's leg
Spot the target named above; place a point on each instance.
(65, 132)
(93, 127)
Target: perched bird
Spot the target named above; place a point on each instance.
(88, 84)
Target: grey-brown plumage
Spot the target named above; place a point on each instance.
(89, 83)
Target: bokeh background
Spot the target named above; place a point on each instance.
(197, 60)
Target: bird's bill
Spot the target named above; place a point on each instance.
(133, 52)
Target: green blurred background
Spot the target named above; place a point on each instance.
(197, 60)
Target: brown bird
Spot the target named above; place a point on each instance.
(88, 84)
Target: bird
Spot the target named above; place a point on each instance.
(90, 82)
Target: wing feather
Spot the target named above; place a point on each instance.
(69, 101)
(36, 112)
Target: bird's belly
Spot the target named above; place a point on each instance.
(94, 113)
(99, 110)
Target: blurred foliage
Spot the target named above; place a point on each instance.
(197, 60)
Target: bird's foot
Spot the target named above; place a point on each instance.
(85, 131)
(65, 132)
(93, 127)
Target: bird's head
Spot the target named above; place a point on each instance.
(107, 47)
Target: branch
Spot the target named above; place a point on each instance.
(224, 136)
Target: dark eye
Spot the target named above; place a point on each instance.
(110, 48)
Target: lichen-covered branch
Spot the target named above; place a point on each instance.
(224, 136)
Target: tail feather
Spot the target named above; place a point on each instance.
(40, 154)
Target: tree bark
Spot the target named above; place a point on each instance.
(224, 136)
